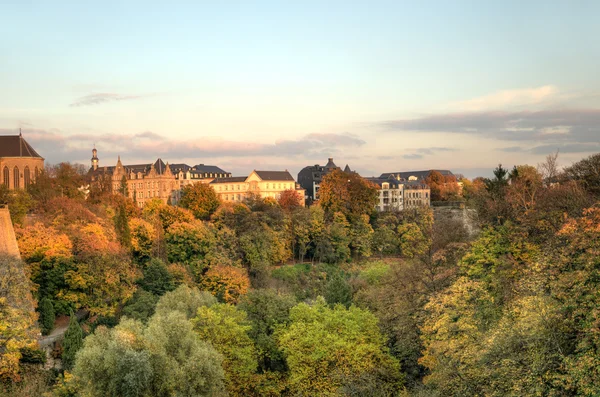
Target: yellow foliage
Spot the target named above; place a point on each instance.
(226, 282)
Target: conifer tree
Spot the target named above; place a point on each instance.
(72, 342)
(47, 316)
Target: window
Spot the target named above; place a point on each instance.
(27, 177)
(6, 176)
(17, 179)
(37, 172)
(267, 185)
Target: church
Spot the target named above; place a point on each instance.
(19, 162)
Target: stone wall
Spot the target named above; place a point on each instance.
(8, 241)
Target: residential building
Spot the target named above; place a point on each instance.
(152, 180)
(263, 183)
(416, 194)
(310, 177)
(391, 194)
(19, 162)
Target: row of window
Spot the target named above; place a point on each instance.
(17, 176)
(268, 186)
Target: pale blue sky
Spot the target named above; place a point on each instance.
(281, 84)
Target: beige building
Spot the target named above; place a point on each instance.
(154, 180)
(19, 162)
(391, 194)
(263, 183)
(416, 194)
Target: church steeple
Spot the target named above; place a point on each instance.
(95, 158)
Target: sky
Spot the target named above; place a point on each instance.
(383, 86)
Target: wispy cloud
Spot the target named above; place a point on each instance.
(510, 98)
(103, 97)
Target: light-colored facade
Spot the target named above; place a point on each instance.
(262, 183)
(416, 194)
(152, 181)
(19, 162)
(391, 194)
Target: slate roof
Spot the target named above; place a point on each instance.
(275, 175)
(230, 179)
(16, 146)
(201, 168)
(379, 181)
(418, 174)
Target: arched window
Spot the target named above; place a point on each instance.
(17, 179)
(27, 177)
(6, 177)
(37, 172)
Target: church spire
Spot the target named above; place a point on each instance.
(94, 158)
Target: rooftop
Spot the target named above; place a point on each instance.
(16, 146)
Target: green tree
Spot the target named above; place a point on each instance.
(327, 349)
(185, 300)
(338, 291)
(157, 278)
(47, 316)
(72, 342)
(190, 244)
(267, 310)
(141, 306)
(122, 227)
(201, 199)
(226, 328)
(165, 358)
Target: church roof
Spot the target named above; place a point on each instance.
(16, 146)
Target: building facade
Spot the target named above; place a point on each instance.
(391, 194)
(145, 182)
(310, 177)
(413, 175)
(416, 194)
(262, 183)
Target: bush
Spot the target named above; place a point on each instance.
(47, 316)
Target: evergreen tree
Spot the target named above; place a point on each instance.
(122, 226)
(157, 278)
(47, 316)
(123, 189)
(72, 342)
(338, 291)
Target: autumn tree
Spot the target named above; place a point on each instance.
(227, 283)
(328, 349)
(289, 199)
(587, 172)
(201, 199)
(348, 193)
(184, 300)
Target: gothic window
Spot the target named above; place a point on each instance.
(16, 180)
(6, 177)
(27, 177)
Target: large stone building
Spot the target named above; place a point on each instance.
(391, 194)
(262, 183)
(310, 177)
(153, 180)
(19, 162)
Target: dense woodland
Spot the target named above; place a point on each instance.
(267, 298)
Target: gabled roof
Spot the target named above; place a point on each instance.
(380, 181)
(275, 175)
(16, 146)
(230, 179)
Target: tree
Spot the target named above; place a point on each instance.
(122, 228)
(587, 172)
(141, 306)
(289, 200)
(226, 328)
(267, 310)
(72, 342)
(189, 244)
(185, 300)
(47, 316)
(20, 203)
(227, 283)
(157, 279)
(348, 193)
(327, 349)
(165, 358)
(201, 199)
(142, 240)
(442, 188)
(338, 291)
(17, 317)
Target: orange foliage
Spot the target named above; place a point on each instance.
(290, 199)
(38, 242)
(226, 282)
(181, 274)
(95, 240)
